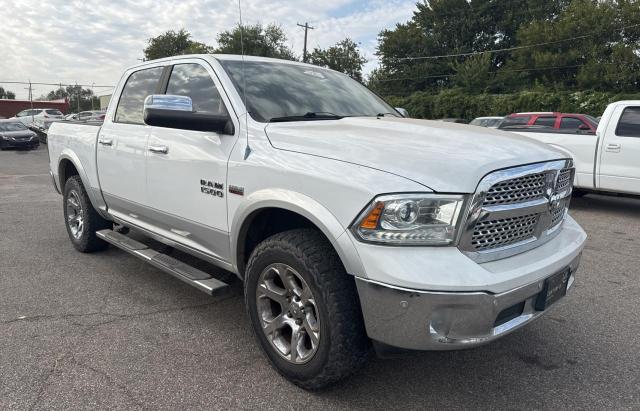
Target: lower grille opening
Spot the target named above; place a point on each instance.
(509, 314)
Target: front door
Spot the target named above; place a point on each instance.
(620, 158)
(187, 170)
(121, 151)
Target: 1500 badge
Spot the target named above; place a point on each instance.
(212, 188)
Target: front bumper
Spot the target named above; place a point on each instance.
(433, 320)
(19, 143)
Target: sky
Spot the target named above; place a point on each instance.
(89, 42)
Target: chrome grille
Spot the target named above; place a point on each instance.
(517, 209)
(564, 180)
(503, 232)
(517, 190)
(557, 214)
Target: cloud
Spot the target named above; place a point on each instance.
(93, 42)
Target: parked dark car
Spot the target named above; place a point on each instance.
(15, 134)
(558, 122)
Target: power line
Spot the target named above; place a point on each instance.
(54, 84)
(489, 72)
(473, 53)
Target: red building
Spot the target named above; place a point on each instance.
(9, 108)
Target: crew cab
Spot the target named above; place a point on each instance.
(349, 224)
(565, 122)
(607, 159)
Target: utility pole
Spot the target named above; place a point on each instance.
(306, 28)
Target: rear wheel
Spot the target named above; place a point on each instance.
(82, 220)
(304, 309)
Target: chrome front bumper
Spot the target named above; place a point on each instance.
(424, 320)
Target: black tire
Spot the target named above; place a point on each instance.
(85, 239)
(578, 193)
(343, 344)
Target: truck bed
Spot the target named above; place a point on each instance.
(76, 141)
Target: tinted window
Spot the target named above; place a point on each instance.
(12, 126)
(629, 124)
(139, 85)
(192, 80)
(545, 121)
(54, 112)
(570, 123)
(282, 89)
(515, 121)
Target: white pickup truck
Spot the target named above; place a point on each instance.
(607, 160)
(347, 223)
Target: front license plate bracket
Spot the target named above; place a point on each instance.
(555, 287)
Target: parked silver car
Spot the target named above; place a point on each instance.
(491, 122)
(91, 115)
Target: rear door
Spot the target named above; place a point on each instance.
(121, 149)
(187, 170)
(620, 156)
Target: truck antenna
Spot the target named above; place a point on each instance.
(247, 149)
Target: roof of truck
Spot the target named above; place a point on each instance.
(227, 57)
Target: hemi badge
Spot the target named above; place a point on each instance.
(236, 190)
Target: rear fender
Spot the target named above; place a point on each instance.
(94, 194)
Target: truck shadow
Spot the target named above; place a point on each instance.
(623, 206)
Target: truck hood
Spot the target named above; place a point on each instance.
(445, 157)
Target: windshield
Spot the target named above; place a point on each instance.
(594, 121)
(276, 90)
(12, 126)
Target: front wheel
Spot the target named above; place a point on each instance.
(82, 220)
(304, 309)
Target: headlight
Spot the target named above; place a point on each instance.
(410, 219)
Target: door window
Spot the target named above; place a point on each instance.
(192, 80)
(545, 121)
(629, 124)
(139, 85)
(571, 123)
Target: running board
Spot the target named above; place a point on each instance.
(166, 263)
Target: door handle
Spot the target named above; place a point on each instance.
(612, 147)
(106, 141)
(159, 149)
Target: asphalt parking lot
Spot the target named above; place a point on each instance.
(105, 330)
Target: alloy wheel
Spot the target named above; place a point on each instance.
(288, 313)
(75, 215)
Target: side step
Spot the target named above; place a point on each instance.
(166, 263)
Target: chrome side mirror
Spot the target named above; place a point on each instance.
(168, 102)
(403, 111)
(177, 112)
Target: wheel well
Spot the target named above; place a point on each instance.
(262, 224)
(66, 169)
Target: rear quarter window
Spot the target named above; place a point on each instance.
(54, 112)
(629, 124)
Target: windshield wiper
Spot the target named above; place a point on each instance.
(308, 116)
(384, 114)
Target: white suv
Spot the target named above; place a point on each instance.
(41, 117)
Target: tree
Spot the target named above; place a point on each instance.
(173, 43)
(80, 99)
(601, 55)
(257, 40)
(6, 94)
(344, 56)
(452, 27)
